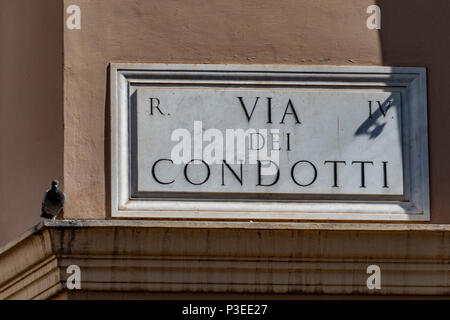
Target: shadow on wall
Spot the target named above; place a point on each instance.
(415, 33)
(31, 110)
(374, 126)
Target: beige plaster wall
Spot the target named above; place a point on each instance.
(31, 110)
(190, 31)
(334, 32)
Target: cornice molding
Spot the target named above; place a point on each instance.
(231, 257)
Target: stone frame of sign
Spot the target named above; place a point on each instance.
(408, 83)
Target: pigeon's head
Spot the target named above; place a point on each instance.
(55, 184)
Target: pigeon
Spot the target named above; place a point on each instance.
(53, 202)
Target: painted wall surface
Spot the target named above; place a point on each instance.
(415, 33)
(296, 32)
(31, 110)
(239, 32)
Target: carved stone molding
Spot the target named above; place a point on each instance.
(233, 257)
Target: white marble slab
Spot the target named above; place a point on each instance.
(370, 119)
(330, 126)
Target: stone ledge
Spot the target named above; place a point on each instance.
(247, 225)
(227, 257)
